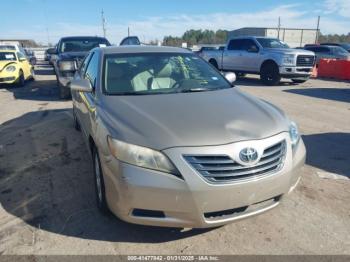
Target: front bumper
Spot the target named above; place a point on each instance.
(194, 202)
(295, 71)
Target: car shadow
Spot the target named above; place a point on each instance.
(329, 152)
(336, 94)
(46, 180)
(44, 90)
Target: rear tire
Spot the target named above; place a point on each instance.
(76, 122)
(64, 93)
(269, 74)
(99, 183)
(300, 81)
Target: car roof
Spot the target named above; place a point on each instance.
(134, 49)
(79, 37)
(8, 51)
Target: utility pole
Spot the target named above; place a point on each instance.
(128, 31)
(318, 30)
(103, 23)
(279, 26)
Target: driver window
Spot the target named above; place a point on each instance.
(92, 70)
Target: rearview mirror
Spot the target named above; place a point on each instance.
(52, 51)
(231, 77)
(81, 85)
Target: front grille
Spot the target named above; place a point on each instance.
(222, 168)
(305, 60)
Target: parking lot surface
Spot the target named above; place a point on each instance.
(47, 192)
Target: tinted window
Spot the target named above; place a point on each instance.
(236, 44)
(271, 43)
(7, 56)
(242, 44)
(92, 70)
(318, 49)
(85, 63)
(133, 40)
(155, 73)
(21, 56)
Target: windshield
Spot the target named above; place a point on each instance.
(82, 45)
(339, 50)
(155, 73)
(271, 43)
(7, 56)
(7, 47)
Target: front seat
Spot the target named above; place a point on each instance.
(118, 79)
(163, 78)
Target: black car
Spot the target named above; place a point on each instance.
(69, 54)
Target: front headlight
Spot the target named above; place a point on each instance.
(294, 133)
(11, 69)
(141, 156)
(288, 60)
(67, 65)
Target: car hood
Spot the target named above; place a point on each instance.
(73, 55)
(190, 119)
(289, 51)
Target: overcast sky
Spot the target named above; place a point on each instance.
(44, 20)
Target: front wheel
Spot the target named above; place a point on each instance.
(32, 74)
(300, 80)
(64, 92)
(99, 183)
(269, 74)
(21, 80)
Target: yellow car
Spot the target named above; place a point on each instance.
(14, 68)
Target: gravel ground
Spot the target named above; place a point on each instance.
(48, 204)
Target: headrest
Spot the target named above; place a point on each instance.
(116, 70)
(164, 72)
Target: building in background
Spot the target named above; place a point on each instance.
(294, 37)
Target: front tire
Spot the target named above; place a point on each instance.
(32, 74)
(64, 93)
(76, 122)
(269, 74)
(300, 81)
(99, 183)
(21, 79)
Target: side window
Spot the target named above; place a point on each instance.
(20, 56)
(92, 70)
(324, 50)
(236, 44)
(85, 63)
(249, 45)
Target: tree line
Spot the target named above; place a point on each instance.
(194, 37)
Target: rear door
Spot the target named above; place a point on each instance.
(249, 56)
(232, 57)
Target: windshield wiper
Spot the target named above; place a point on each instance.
(191, 90)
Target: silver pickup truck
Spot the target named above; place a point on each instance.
(269, 57)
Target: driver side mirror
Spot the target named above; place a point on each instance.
(231, 77)
(52, 51)
(81, 85)
(22, 59)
